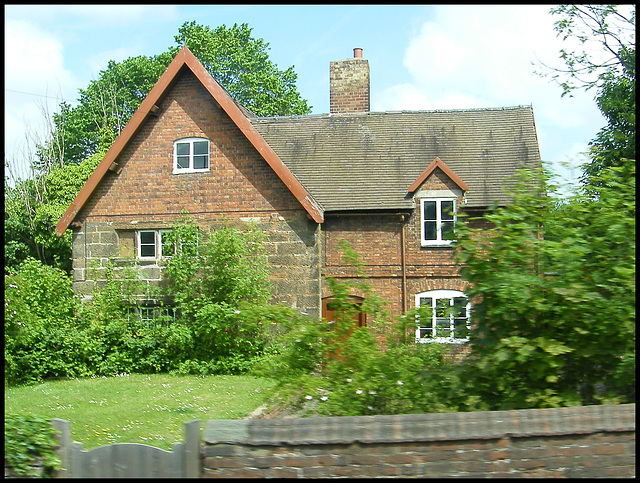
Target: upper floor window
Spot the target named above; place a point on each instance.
(438, 217)
(190, 155)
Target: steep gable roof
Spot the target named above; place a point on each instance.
(186, 59)
(437, 163)
(368, 161)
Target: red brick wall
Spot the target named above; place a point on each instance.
(239, 183)
(240, 186)
(377, 238)
(578, 442)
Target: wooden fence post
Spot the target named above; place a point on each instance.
(193, 466)
(63, 436)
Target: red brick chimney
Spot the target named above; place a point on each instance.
(349, 84)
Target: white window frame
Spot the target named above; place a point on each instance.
(157, 244)
(439, 241)
(149, 314)
(190, 168)
(426, 325)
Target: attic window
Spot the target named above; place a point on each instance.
(190, 155)
(438, 217)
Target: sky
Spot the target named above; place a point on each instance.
(421, 57)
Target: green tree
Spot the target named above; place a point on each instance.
(554, 315)
(81, 135)
(241, 65)
(32, 210)
(607, 63)
(239, 62)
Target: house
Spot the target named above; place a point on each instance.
(390, 183)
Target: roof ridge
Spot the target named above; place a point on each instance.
(404, 111)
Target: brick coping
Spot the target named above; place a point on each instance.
(422, 427)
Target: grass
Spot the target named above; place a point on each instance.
(147, 409)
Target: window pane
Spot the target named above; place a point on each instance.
(200, 162)
(201, 147)
(443, 307)
(460, 329)
(168, 247)
(459, 307)
(443, 327)
(183, 162)
(447, 230)
(182, 149)
(429, 210)
(430, 230)
(147, 243)
(447, 210)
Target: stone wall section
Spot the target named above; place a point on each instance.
(240, 187)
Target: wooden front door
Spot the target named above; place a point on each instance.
(329, 311)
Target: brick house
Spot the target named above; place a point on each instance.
(389, 183)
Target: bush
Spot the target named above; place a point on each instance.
(333, 368)
(40, 330)
(29, 444)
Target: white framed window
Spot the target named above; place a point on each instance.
(153, 244)
(153, 315)
(438, 218)
(443, 316)
(190, 155)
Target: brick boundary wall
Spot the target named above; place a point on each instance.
(575, 442)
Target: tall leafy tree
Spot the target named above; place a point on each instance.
(607, 64)
(553, 282)
(554, 313)
(80, 135)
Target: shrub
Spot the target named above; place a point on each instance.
(29, 444)
(40, 330)
(336, 369)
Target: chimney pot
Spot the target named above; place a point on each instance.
(357, 53)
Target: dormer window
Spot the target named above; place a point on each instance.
(190, 155)
(438, 219)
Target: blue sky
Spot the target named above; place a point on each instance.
(420, 57)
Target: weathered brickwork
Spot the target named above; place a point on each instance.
(379, 239)
(349, 81)
(240, 186)
(580, 442)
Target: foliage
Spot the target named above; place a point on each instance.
(39, 335)
(33, 208)
(617, 140)
(29, 441)
(607, 62)
(554, 314)
(121, 341)
(334, 368)
(220, 284)
(607, 35)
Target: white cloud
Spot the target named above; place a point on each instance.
(34, 64)
(486, 56)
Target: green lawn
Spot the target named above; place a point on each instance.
(148, 409)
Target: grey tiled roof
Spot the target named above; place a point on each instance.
(369, 160)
